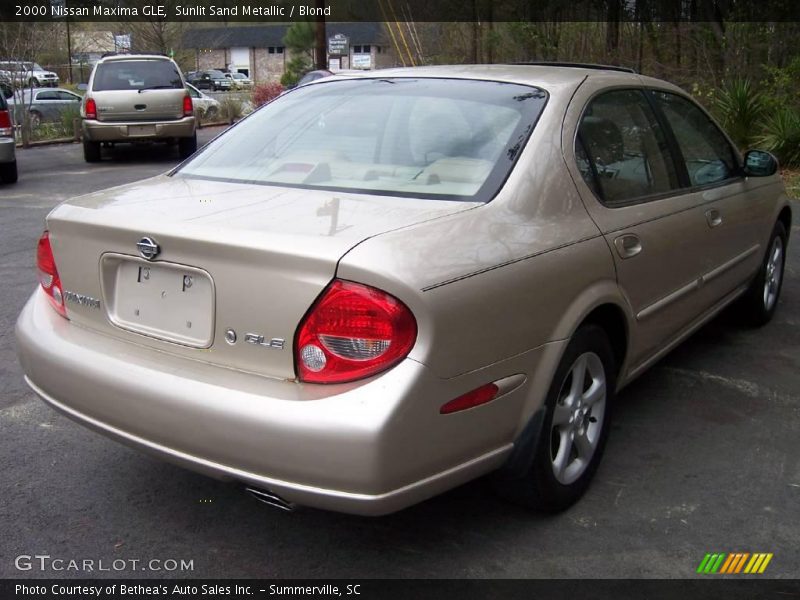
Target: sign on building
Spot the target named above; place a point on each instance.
(338, 45)
(122, 43)
(361, 61)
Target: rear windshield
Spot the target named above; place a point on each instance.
(445, 139)
(216, 74)
(136, 75)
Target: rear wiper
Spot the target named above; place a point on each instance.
(155, 87)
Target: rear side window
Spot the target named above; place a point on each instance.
(625, 148)
(708, 156)
(136, 75)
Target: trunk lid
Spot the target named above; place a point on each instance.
(147, 105)
(256, 257)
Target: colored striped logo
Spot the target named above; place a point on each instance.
(737, 562)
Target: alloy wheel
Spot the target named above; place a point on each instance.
(578, 418)
(772, 279)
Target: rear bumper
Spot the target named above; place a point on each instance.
(7, 150)
(130, 131)
(365, 448)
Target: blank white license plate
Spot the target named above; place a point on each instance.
(139, 130)
(164, 300)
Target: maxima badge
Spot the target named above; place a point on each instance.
(148, 248)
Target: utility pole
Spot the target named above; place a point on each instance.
(321, 43)
(69, 54)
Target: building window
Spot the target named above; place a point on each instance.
(361, 49)
(275, 49)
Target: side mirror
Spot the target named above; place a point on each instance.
(82, 87)
(759, 163)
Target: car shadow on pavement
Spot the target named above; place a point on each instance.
(139, 153)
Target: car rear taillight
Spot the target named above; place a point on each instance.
(91, 109)
(188, 107)
(351, 332)
(6, 129)
(48, 274)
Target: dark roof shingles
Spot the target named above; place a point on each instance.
(263, 36)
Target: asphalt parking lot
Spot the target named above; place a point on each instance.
(704, 456)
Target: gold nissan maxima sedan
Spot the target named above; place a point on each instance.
(376, 288)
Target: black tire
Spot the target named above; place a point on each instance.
(8, 172)
(187, 146)
(33, 82)
(211, 113)
(756, 307)
(537, 486)
(91, 151)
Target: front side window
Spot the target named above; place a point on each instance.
(626, 148)
(437, 138)
(708, 156)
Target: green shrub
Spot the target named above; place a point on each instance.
(230, 108)
(740, 107)
(67, 118)
(781, 136)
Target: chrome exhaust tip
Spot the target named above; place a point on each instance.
(270, 498)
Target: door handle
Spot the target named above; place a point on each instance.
(628, 245)
(713, 217)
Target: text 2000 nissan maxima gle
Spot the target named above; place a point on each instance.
(376, 288)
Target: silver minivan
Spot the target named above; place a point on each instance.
(137, 98)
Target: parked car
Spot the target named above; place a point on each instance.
(240, 81)
(204, 105)
(211, 80)
(29, 74)
(8, 158)
(137, 98)
(314, 76)
(6, 87)
(322, 73)
(43, 104)
(360, 314)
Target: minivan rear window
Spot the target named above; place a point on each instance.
(136, 75)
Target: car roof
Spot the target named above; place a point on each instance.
(28, 91)
(116, 57)
(540, 75)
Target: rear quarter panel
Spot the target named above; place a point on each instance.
(498, 280)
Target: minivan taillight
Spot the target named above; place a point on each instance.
(48, 274)
(352, 331)
(91, 109)
(6, 129)
(188, 107)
